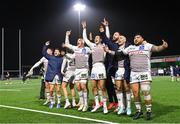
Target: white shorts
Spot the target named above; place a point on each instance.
(81, 75)
(55, 80)
(98, 71)
(69, 77)
(140, 77)
(120, 74)
(172, 74)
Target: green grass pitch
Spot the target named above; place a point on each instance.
(165, 94)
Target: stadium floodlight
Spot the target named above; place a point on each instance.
(79, 7)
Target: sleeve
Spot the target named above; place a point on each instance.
(72, 47)
(63, 65)
(107, 32)
(104, 37)
(126, 50)
(37, 64)
(89, 43)
(88, 50)
(67, 43)
(70, 56)
(149, 46)
(45, 54)
(108, 42)
(67, 39)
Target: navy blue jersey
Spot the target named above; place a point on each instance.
(54, 65)
(176, 70)
(112, 61)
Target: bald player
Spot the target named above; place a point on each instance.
(122, 78)
(139, 55)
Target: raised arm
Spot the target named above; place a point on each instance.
(90, 36)
(87, 41)
(44, 51)
(112, 45)
(67, 43)
(68, 33)
(159, 48)
(106, 24)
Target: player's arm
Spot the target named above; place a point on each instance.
(107, 50)
(63, 66)
(106, 24)
(117, 54)
(70, 56)
(67, 43)
(87, 41)
(90, 36)
(37, 64)
(44, 51)
(106, 40)
(160, 47)
(68, 33)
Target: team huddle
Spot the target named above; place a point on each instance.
(116, 60)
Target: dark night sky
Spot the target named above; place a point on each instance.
(42, 20)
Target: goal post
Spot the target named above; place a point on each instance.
(19, 67)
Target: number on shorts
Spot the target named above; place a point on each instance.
(144, 77)
(83, 75)
(72, 62)
(101, 75)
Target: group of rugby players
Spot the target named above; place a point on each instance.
(128, 65)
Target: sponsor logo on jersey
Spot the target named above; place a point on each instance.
(141, 47)
(84, 50)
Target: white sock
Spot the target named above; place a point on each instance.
(172, 79)
(80, 97)
(96, 100)
(67, 100)
(100, 95)
(148, 108)
(120, 99)
(128, 99)
(177, 79)
(73, 99)
(85, 98)
(138, 106)
(48, 96)
(59, 99)
(104, 102)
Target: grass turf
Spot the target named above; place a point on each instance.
(165, 94)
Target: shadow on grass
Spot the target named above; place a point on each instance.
(162, 109)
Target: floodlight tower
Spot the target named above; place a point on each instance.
(79, 7)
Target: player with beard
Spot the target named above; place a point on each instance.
(110, 63)
(139, 55)
(53, 75)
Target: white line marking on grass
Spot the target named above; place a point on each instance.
(51, 113)
(9, 90)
